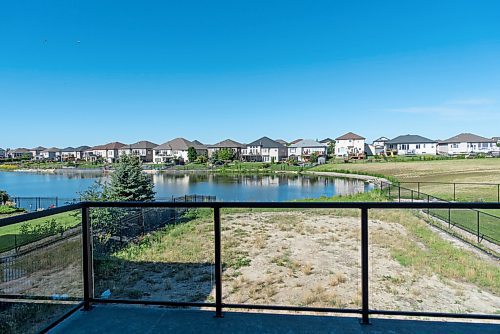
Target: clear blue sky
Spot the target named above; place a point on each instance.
(90, 72)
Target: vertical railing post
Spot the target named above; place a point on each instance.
(449, 217)
(88, 288)
(418, 190)
(218, 263)
(454, 192)
(478, 240)
(365, 320)
(399, 192)
(412, 195)
(498, 192)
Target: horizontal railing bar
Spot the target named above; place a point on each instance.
(449, 183)
(298, 205)
(61, 319)
(438, 314)
(290, 308)
(38, 214)
(48, 298)
(150, 302)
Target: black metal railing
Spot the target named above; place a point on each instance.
(452, 190)
(473, 221)
(88, 298)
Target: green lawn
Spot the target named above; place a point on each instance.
(11, 235)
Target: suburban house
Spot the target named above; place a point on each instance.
(143, 149)
(411, 145)
(2, 153)
(52, 153)
(20, 153)
(80, 152)
(68, 154)
(349, 144)
(264, 150)
(379, 145)
(302, 150)
(36, 152)
(497, 140)
(107, 152)
(177, 149)
(226, 144)
(466, 143)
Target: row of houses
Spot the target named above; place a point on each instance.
(266, 149)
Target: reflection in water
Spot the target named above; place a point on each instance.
(256, 187)
(232, 187)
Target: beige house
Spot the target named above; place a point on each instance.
(143, 149)
(108, 152)
(177, 149)
(349, 144)
(226, 144)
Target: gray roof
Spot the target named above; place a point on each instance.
(308, 143)
(327, 140)
(410, 139)
(350, 135)
(52, 150)
(381, 139)
(180, 144)
(143, 144)
(20, 150)
(281, 141)
(198, 145)
(82, 148)
(227, 143)
(68, 149)
(266, 142)
(467, 138)
(110, 146)
(38, 148)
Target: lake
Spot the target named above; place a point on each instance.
(234, 187)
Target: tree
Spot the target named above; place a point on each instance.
(192, 154)
(4, 197)
(330, 150)
(314, 157)
(225, 154)
(129, 182)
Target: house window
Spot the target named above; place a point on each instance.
(418, 146)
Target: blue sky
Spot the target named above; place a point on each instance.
(90, 72)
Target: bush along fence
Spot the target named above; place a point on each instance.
(480, 224)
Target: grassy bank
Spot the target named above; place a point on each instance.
(12, 235)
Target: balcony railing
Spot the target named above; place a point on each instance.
(89, 234)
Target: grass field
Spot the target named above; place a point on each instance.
(10, 235)
(308, 258)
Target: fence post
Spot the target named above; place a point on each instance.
(412, 195)
(399, 192)
(418, 189)
(478, 226)
(428, 200)
(498, 192)
(365, 320)
(88, 288)
(454, 192)
(390, 190)
(218, 263)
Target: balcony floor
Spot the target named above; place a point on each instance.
(146, 319)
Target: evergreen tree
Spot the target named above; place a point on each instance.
(192, 154)
(129, 182)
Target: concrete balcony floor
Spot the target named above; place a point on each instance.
(147, 319)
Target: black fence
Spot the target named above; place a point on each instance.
(32, 204)
(88, 266)
(457, 191)
(479, 223)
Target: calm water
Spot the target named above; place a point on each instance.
(68, 184)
